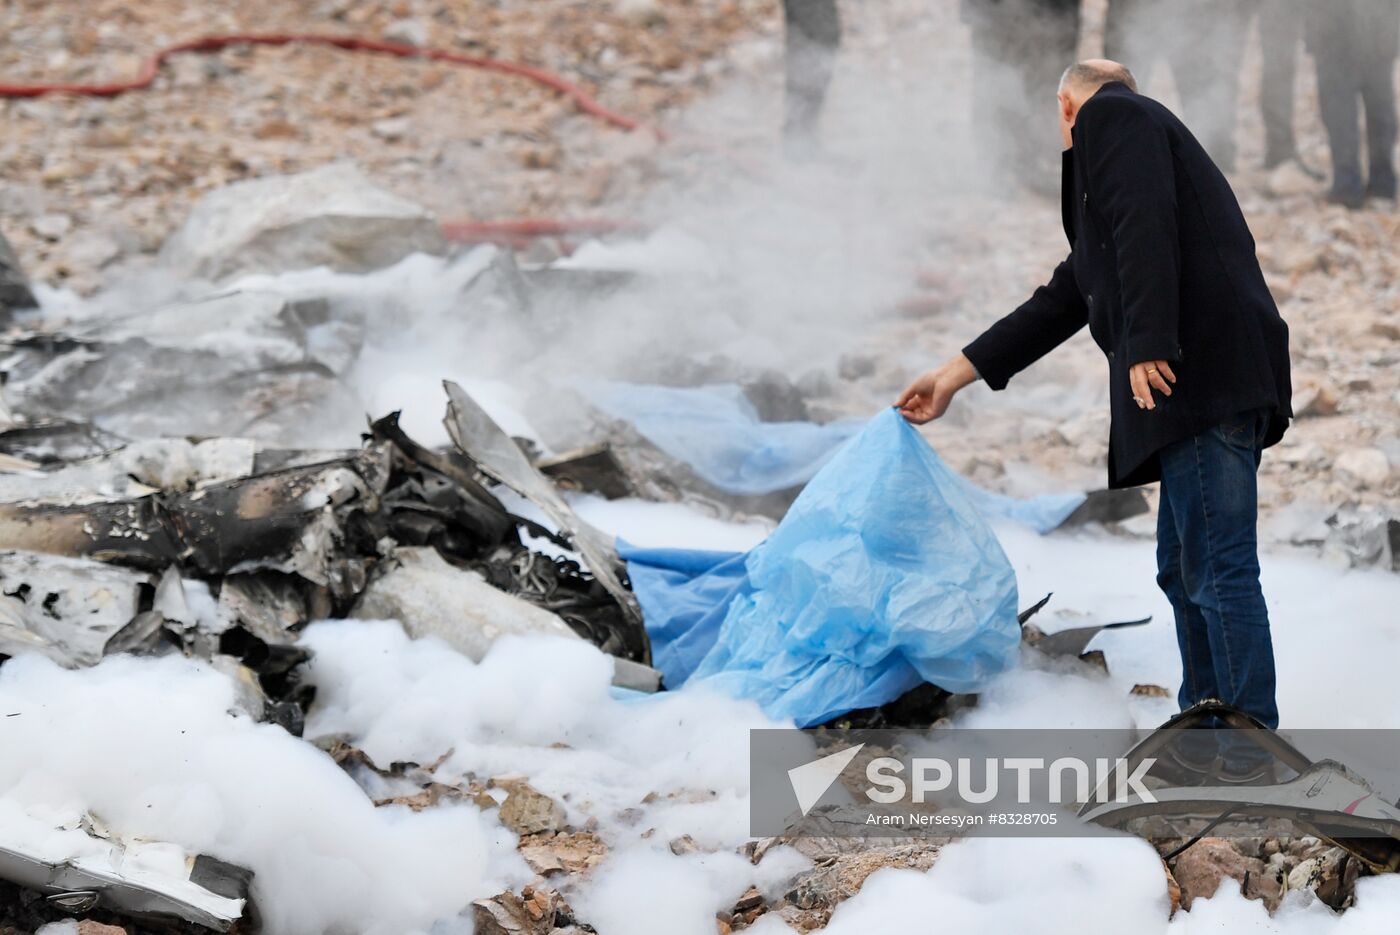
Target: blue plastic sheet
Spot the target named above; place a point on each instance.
(716, 431)
(881, 576)
(1042, 513)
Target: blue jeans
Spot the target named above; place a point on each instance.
(1208, 566)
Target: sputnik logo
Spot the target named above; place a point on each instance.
(811, 780)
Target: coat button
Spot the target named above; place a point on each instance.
(1110, 355)
(1089, 300)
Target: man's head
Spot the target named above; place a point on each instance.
(1079, 83)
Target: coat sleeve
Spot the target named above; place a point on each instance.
(1130, 173)
(1053, 314)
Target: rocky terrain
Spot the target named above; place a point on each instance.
(87, 181)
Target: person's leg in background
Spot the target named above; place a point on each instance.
(994, 91)
(1206, 66)
(1280, 32)
(813, 38)
(1380, 31)
(1331, 28)
(1120, 31)
(1210, 491)
(1049, 44)
(1020, 49)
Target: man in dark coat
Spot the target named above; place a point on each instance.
(1162, 270)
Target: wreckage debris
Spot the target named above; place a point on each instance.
(1323, 799)
(493, 452)
(1073, 641)
(333, 216)
(416, 586)
(126, 369)
(95, 867)
(595, 469)
(285, 546)
(225, 550)
(15, 294)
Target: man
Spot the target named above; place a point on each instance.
(1355, 43)
(1018, 48)
(1162, 270)
(813, 37)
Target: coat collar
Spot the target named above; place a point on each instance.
(1111, 89)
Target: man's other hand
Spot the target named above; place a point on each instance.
(1148, 376)
(928, 396)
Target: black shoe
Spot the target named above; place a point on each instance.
(1382, 186)
(1352, 198)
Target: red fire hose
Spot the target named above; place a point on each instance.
(509, 232)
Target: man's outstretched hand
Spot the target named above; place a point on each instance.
(1147, 376)
(928, 396)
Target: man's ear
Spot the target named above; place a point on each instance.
(1066, 107)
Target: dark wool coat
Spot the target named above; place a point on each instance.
(1161, 267)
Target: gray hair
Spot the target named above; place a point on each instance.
(1094, 76)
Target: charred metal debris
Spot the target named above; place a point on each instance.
(221, 549)
(224, 550)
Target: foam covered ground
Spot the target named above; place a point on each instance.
(198, 773)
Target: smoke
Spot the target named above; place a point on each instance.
(938, 147)
(754, 262)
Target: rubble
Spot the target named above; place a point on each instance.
(85, 865)
(1201, 869)
(1331, 875)
(15, 294)
(1368, 467)
(528, 811)
(1320, 799)
(1072, 641)
(570, 852)
(1319, 399)
(229, 348)
(481, 440)
(417, 587)
(840, 867)
(332, 216)
(595, 469)
(223, 549)
(538, 910)
(68, 609)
